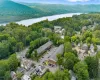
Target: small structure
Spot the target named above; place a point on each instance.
(57, 29)
(40, 70)
(53, 58)
(13, 75)
(26, 77)
(20, 70)
(85, 47)
(27, 64)
(84, 28)
(44, 47)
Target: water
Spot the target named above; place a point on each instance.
(50, 18)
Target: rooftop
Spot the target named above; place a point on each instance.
(26, 77)
(59, 50)
(44, 47)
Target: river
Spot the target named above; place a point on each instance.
(50, 18)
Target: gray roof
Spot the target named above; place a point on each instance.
(85, 47)
(59, 50)
(20, 69)
(44, 47)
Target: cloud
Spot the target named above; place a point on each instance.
(78, 0)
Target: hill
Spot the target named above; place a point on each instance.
(61, 8)
(12, 11)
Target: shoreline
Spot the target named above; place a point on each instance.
(28, 22)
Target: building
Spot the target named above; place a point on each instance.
(44, 47)
(85, 47)
(13, 75)
(40, 70)
(27, 64)
(84, 29)
(20, 70)
(25, 77)
(53, 58)
(57, 29)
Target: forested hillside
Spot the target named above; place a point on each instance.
(11, 11)
(64, 8)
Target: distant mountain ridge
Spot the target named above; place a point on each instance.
(62, 1)
(11, 11)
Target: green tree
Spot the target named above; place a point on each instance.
(62, 75)
(67, 39)
(81, 70)
(69, 60)
(4, 50)
(13, 62)
(59, 59)
(48, 76)
(92, 63)
(19, 75)
(68, 47)
(3, 67)
(35, 55)
(7, 76)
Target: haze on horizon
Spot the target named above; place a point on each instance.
(61, 1)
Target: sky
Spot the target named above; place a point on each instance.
(61, 1)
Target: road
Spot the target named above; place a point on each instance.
(22, 53)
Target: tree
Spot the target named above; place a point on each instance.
(13, 62)
(12, 44)
(35, 55)
(7, 76)
(88, 40)
(75, 53)
(73, 38)
(67, 39)
(69, 60)
(19, 75)
(4, 50)
(68, 47)
(19, 46)
(81, 71)
(4, 66)
(95, 47)
(59, 59)
(97, 34)
(48, 76)
(62, 75)
(92, 63)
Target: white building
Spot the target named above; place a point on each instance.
(26, 77)
(57, 29)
